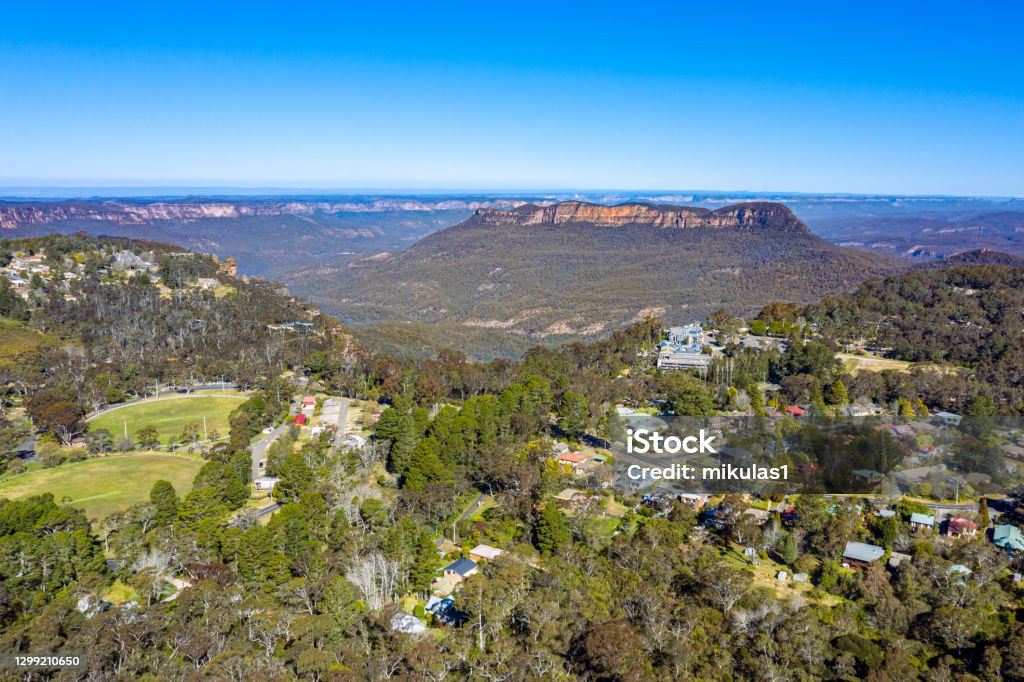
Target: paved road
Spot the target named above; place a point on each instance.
(462, 517)
(343, 404)
(262, 511)
(259, 448)
(225, 386)
(936, 506)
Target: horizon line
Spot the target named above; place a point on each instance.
(46, 192)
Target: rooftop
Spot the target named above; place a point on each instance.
(461, 566)
(861, 551)
(1008, 537)
(486, 552)
(922, 519)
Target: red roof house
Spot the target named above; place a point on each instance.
(960, 526)
(308, 400)
(572, 458)
(300, 419)
(796, 410)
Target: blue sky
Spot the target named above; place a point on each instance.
(919, 98)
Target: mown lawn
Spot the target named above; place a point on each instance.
(170, 415)
(106, 485)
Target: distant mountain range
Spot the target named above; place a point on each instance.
(301, 238)
(564, 263)
(270, 236)
(576, 269)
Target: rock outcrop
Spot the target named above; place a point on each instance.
(753, 215)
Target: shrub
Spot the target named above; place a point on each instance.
(53, 459)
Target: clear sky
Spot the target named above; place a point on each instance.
(894, 97)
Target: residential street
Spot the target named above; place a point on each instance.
(259, 448)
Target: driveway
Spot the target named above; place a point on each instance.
(259, 448)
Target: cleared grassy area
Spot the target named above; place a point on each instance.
(169, 415)
(18, 340)
(105, 485)
(865, 363)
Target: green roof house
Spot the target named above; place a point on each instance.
(1008, 537)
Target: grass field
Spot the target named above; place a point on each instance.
(169, 415)
(108, 484)
(18, 340)
(862, 363)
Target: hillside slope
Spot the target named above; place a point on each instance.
(577, 269)
(977, 257)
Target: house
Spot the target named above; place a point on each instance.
(559, 448)
(126, 261)
(461, 569)
(897, 559)
(863, 410)
(265, 483)
(761, 516)
(683, 348)
(207, 283)
(309, 401)
(808, 468)
(90, 606)
(682, 357)
(958, 574)
(410, 625)
(354, 440)
(571, 498)
(886, 514)
(485, 553)
(904, 479)
(694, 501)
(444, 611)
(921, 522)
(300, 419)
(976, 478)
(903, 430)
(684, 333)
(868, 475)
(961, 527)
(1013, 451)
(1008, 537)
(573, 459)
(795, 411)
(662, 498)
(861, 554)
(800, 577)
(948, 418)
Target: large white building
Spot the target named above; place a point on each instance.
(683, 349)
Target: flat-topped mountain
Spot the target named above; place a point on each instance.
(575, 269)
(752, 215)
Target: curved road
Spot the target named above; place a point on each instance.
(219, 386)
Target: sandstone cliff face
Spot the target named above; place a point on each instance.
(753, 216)
(17, 214)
